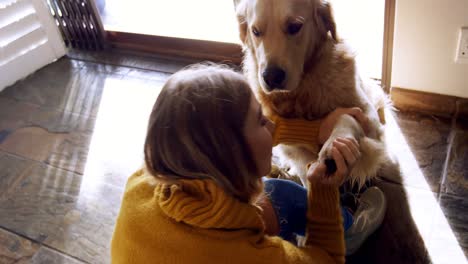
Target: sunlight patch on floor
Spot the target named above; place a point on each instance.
(116, 147)
(440, 241)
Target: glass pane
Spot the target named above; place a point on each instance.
(361, 24)
(201, 19)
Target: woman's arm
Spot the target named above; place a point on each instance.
(324, 221)
(312, 132)
(295, 131)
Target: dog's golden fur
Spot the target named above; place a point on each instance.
(320, 76)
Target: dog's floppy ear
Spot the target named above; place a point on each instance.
(241, 13)
(326, 22)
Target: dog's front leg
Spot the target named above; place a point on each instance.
(346, 127)
(372, 150)
(294, 159)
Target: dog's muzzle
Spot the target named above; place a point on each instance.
(274, 78)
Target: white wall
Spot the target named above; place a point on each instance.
(425, 42)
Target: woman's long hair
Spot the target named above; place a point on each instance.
(195, 131)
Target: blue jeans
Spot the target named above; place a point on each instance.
(290, 202)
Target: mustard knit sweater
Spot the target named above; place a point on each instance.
(301, 131)
(197, 222)
(292, 131)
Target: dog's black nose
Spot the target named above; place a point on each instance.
(274, 77)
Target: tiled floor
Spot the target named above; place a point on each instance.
(71, 133)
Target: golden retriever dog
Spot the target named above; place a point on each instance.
(298, 68)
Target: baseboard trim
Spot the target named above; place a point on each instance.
(430, 103)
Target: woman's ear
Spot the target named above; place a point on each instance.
(326, 22)
(241, 13)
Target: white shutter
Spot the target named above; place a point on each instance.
(29, 39)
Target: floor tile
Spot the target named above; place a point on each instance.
(449, 239)
(55, 73)
(419, 143)
(155, 63)
(14, 114)
(106, 68)
(116, 147)
(12, 170)
(49, 256)
(64, 63)
(61, 121)
(125, 71)
(42, 134)
(16, 249)
(83, 94)
(4, 134)
(148, 74)
(71, 153)
(462, 110)
(32, 142)
(456, 181)
(72, 213)
(73, 91)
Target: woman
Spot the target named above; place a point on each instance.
(200, 197)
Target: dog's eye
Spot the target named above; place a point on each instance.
(294, 28)
(256, 32)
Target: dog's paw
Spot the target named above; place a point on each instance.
(326, 150)
(325, 156)
(331, 166)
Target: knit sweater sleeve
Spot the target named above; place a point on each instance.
(295, 131)
(324, 221)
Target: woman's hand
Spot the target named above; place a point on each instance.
(345, 152)
(328, 123)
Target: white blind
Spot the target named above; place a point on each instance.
(29, 39)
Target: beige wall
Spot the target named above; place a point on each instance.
(426, 36)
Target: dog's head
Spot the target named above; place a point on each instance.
(282, 36)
